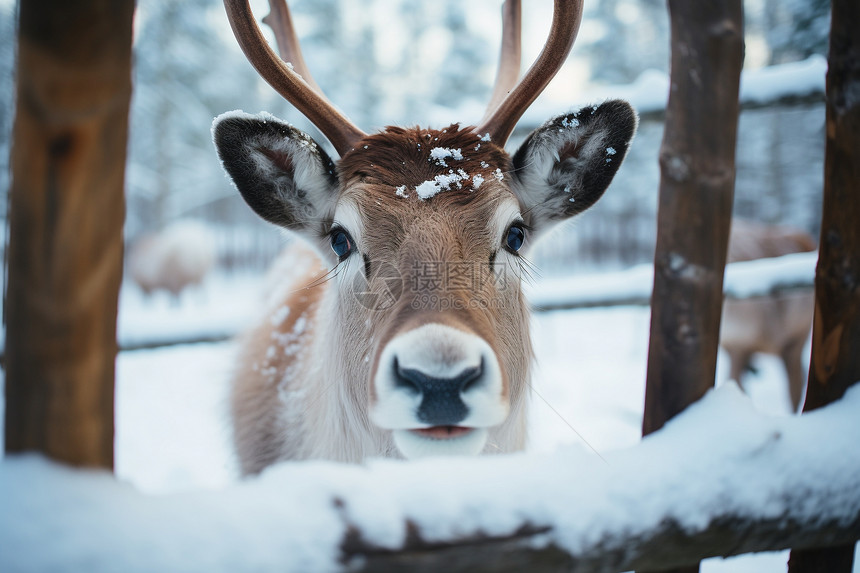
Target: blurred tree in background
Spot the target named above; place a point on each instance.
(7, 107)
(466, 54)
(626, 38)
(184, 75)
(382, 62)
(796, 29)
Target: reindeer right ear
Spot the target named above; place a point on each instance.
(565, 165)
(283, 175)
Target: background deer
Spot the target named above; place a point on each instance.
(416, 340)
(173, 258)
(777, 324)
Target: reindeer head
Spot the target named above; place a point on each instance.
(426, 231)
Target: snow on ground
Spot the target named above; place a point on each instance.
(173, 434)
(218, 307)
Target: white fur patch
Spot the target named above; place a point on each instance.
(506, 213)
(347, 216)
(441, 352)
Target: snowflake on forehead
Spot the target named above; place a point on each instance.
(442, 153)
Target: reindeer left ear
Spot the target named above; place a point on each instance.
(564, 166)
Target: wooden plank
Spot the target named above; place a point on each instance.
(835, 362)
(697, 162)
(67, 210)
(657, 549)
(697, 176)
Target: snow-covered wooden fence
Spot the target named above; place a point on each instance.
(697, 488)
(619, 288)
(748, 279)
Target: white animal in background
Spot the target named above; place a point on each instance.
(416, 342)
(173, 258)
(778, 324)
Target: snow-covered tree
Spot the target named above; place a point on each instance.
(338, 43)
(458, 79)
(185, 74)
(796, 29)
(625, 37)
(7, 95)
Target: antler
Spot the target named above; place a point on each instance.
(501, 120)
(281, 23)
(293, 81)
(510, 56)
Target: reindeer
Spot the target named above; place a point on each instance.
(777, 324)
(174, 258)
(415, 341)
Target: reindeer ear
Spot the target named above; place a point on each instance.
(283, 175)
(565, 165)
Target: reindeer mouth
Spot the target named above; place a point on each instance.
(440, 441)
(443, 432)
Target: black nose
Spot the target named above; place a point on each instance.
(441, 402)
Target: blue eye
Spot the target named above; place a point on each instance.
(515, 238)
(341, 244)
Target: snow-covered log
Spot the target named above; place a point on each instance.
(719, 479)
(785, 84)
(747, 279)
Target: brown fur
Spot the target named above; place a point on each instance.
(400, 156)
(259, 379)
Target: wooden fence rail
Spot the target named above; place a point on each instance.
(631, 287)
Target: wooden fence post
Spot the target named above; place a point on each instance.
(697, 175)
(835, 362)
(67, 210)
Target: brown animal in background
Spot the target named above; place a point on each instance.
(778, 324)
(418, 341)
(172, 259)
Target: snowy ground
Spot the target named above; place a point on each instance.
(172, 432)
